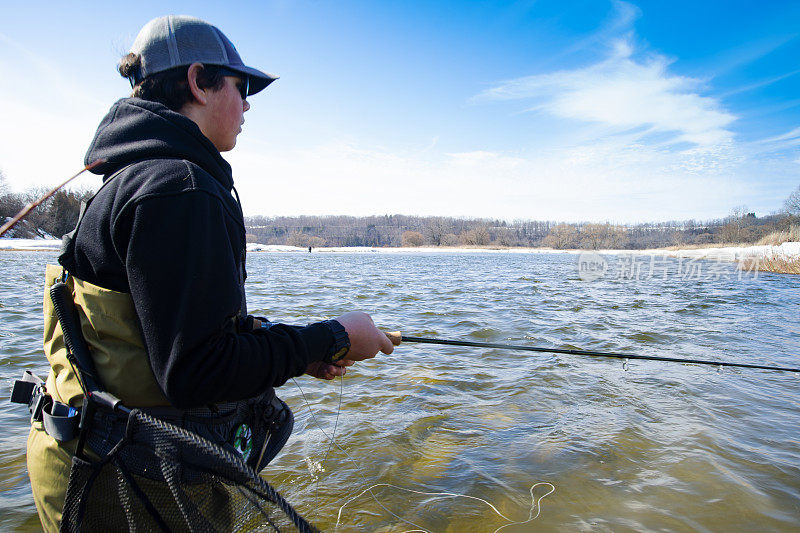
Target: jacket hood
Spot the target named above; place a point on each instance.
(136, 129)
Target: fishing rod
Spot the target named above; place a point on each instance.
(396, 337)
(28, 208)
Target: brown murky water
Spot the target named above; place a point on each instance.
(658, 446)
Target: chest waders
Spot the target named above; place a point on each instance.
(107, 452)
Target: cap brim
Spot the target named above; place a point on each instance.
(258, 80)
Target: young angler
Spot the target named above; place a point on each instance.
(156, 264)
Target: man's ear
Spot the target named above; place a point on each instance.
(200, 95)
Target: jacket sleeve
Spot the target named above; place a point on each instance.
(183, 272)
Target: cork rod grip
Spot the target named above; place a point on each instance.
(395, 336)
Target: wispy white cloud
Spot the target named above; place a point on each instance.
(619, 22)
(789, 135)
(625, 14)
(622, 93)
(759, 84)
(748, 52)
(786, 143)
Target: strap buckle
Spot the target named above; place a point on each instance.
(40, 400)
(22, 391)
(31, 390)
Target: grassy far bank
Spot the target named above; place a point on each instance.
(778, 265)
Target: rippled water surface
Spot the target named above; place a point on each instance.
(658, 446)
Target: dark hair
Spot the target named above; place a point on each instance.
(169, 87)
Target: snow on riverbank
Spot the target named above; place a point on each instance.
(368, 249)
(44, 245)
(787, 250)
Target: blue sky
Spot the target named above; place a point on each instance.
(591, 110)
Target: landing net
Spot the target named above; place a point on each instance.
(160, 477)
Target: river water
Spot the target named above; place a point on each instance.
(643, 446)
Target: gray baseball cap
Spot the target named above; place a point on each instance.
(180, 40)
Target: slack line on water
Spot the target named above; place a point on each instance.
(397, 337)
(535, 502)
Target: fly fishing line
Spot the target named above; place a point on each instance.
(535, 502)
(331, 439)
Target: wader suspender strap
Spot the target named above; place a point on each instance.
(242, 261)
(68, 240)
(82, 362)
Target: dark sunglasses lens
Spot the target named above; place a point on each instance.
(244, 81)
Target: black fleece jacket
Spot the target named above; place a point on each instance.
(168, 231)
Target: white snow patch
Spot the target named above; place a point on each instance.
(30, 244)
(255, 247)
(787, 250)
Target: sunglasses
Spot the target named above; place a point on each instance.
(244, 80)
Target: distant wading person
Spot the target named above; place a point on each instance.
(156, 264)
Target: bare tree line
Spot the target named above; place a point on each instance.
(403, 230)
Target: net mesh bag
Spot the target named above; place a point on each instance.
(160, 477)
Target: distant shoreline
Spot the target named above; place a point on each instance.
(734, 253)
